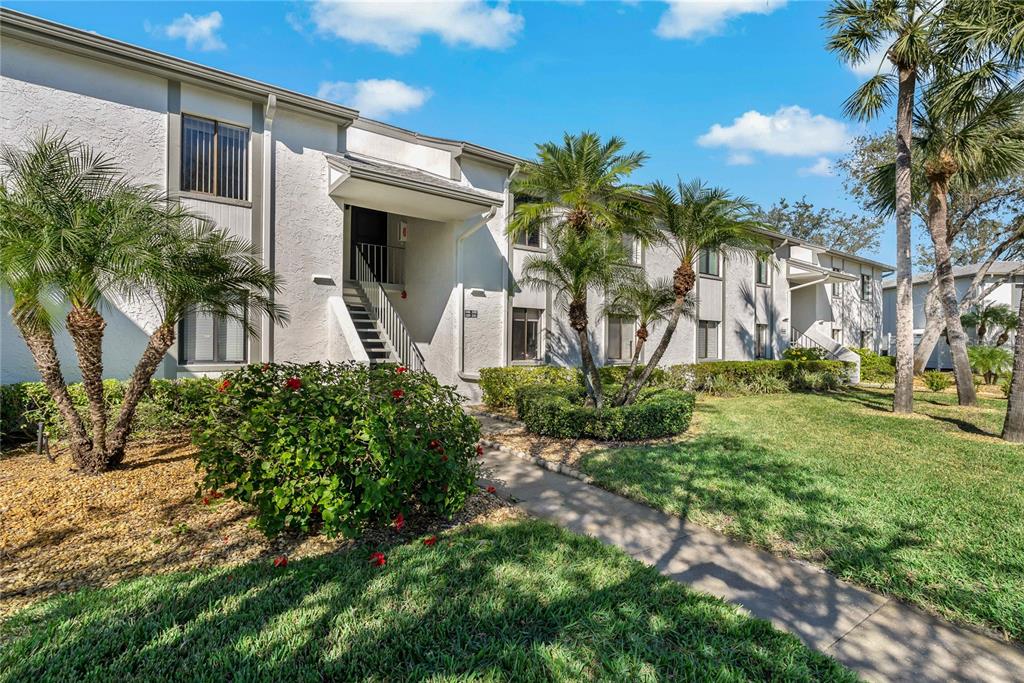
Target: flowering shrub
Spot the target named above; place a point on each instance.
(334, 447)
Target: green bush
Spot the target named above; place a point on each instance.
(937, 381)
(875, 368)
(615, 375)
(803, 354)
(334, 447)
(168, 405)
(766, 384)
(754, 376)
(807, 379)
(559, 412)
(499, 385)
(1005, 383)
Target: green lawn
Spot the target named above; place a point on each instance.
(519, 601)
(927, 508)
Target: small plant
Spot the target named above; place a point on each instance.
(989, 361)
(766, 384)
(875, 368)
(803, 354)
(724, 385)
(1005, 383)
(937, 381)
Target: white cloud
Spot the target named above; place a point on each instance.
(872, 64)
(375, 97)
(397, 26)
(740, 159)
(790, 131)
(699, 18)
(200, 33)
(821, 167)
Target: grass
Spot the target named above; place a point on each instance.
(518, 601)
(929, 508)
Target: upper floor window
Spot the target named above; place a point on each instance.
(762, 272)
(708, 262)
(529, 239)
(632, 247)
(214, 158)
(837, 287)
(865, 287)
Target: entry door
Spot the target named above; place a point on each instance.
(370, 236)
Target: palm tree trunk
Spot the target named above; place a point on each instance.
(159, 342)
(683, 280)
(937, 214)
(44, 354)
(934, 319)
(641, 339)
(579, 321)
(903, 396)
(85, 325)
(1013, 427)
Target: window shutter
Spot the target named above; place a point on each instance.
(231, 341)
(198, 338)
(702, 340)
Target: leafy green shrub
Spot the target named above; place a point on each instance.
(334, 447)
(499, 385)
(751, 376)
(766, 384)
(803, 354)
(615, 375)
(169, 405)
(990, 361)
(875, 368)
(559, 412)
(1005, 383)
(723, 385)
(807, 379)
(937, 381)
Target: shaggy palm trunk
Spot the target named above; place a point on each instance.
(641, 339)
(903, 396)
(933, 326)
(683, 280)
(159, 343)
(44, 354)
(1013, 427)
(937, 215)
(85, 325)
(578, 320)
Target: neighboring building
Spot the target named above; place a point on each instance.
(391, 244)
(1004, 280)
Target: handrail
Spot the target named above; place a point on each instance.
(383, 311)
(799, 340)
(386, 263)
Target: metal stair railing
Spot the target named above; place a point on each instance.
(382, 311)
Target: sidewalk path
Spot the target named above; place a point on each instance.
(878, 637)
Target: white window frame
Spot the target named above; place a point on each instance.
(703, 329)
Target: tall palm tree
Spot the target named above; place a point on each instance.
(692, 218)
(959, 149)
(647, 303)
(988, 315)
(576, 263)
(970, 45)
(1013, 425)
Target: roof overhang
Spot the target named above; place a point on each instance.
(805, 272)
(401, 192)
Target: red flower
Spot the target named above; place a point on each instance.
(397, 394)
(479, 451)
(399, 522)
(224, 386)
(216, 494)
(265, 367)
(281, 561)
(378, 560)
(206, 500)
(444, 458)
(401, 368)
(294, 383)
(430, 541)
(491, 489)
(404, 294)
(435, 445)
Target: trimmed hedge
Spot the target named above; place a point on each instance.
(499, 385)
(333, 447)
(559, 412)
(168, 405)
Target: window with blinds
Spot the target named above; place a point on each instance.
(208, 338)
(707, 340)
(526, 333)
(620, 337)
(762, 272)
(762, 342)
(214, 158)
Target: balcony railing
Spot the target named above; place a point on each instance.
(387, 264)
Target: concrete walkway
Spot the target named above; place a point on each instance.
(878, 637)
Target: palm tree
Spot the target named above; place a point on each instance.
(1013, 425)
(647, 303)
(960, 148)
(990, 361)
(967, 47)
(576, 263)
(692, 218)
(990, 315)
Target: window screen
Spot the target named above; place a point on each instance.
(206, 338)
(708, 262)
(762, 342)
(620, 337)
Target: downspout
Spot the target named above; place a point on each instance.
(460, 289)
(266, 345)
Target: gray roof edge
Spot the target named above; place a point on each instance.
(846, 255)
(456, 147)
(439, 187)
(998, 268)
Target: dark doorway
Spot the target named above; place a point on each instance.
(369, 238)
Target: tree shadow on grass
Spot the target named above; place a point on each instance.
(519, 601)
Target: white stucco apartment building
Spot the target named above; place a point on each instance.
(391, 243)
(1002, 283)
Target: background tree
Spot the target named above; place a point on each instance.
(847, 232)
(577, 262)
(1013, 424)
(693, 217)
(988, 316)
(647, 303)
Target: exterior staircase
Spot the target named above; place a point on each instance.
(374, 343)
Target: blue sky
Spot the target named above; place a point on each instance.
(741, 93)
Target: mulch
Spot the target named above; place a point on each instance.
(61, 530)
